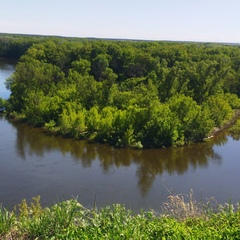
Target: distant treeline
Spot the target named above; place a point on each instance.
(126, 93)
(15, 45)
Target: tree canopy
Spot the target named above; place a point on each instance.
(126, 93)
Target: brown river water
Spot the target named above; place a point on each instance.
(33, 163)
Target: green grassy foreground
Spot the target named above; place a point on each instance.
(70, 220)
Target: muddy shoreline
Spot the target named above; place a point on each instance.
(217, 130)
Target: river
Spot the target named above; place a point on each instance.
(33, 163)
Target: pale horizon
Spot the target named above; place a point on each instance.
(157, 20)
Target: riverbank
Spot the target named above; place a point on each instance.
(217, 130)
(70, 220)
(85, 135)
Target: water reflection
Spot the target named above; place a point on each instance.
(235, 136)
(149, 162)
(7, 66)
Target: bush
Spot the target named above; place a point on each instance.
(220, 110)
(183, 218)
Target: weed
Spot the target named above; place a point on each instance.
(7, 220)
(182, 207)
(184, 218)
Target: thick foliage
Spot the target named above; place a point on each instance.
(70, 220)
(142, 94)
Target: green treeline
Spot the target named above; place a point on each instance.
(127, 93)
(14, 46)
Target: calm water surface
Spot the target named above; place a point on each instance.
(7, 66)
(33, 163)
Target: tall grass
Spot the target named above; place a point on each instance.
(184, 206)
(7, 221)
(182, 218)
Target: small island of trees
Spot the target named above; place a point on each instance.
(124, 93)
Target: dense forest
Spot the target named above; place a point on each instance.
(125, 93)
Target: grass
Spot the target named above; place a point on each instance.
(182, 218)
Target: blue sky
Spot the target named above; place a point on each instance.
(185, 20)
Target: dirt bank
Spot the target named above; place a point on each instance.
(216, 130)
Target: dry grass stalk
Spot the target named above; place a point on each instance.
(181, 207)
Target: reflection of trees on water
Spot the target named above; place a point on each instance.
(150, 162)
(221, 138)
(8, 64)
(235, 135)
